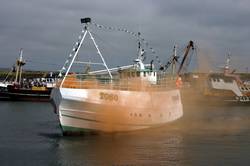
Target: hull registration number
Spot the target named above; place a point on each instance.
(108, 96)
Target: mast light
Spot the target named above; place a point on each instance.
(85, 20)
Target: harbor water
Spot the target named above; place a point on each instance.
(205, 135)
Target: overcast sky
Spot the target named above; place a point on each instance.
(47, 29)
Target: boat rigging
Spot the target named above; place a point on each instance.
(175, 59)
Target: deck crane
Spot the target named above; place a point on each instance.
(175, 58)
(189, 46)
(178, 81)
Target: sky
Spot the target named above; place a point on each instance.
(48, 29)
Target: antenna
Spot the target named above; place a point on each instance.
(228, 60)
(141, 52)
(139, 46)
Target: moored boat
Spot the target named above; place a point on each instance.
(24, 89)
(228, 85)
(224, 88)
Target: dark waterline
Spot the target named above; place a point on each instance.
(30, 135)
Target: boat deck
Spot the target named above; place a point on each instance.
(118, 84)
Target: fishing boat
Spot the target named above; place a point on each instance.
(119, 99)
(24, 89)
(221, 88)
(228, 86)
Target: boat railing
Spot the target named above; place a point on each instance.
(130, 84)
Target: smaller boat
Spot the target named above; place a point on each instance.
(25, 89)
(228, 86)
(224, 88)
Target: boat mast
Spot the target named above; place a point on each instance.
(86, 22)
(76, 52)
(174, 60)
(19, 64)
(100, 54)
(227, 65)
(141, 53)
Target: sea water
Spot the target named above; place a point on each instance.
(205, 135)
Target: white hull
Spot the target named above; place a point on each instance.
(222, 85)
(115, 110)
